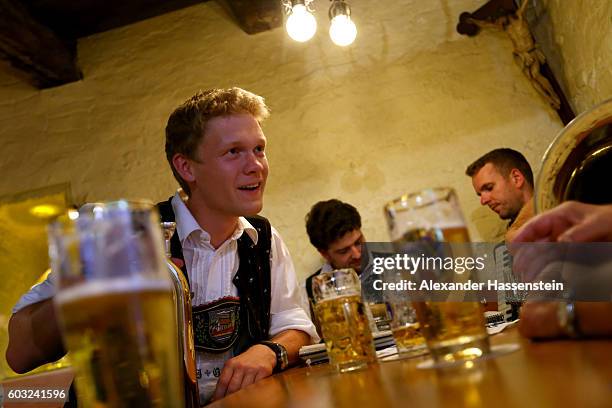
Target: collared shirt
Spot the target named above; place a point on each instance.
(210, 272)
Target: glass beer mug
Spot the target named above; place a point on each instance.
(404, 324)
(454, 329)
(344, 323)
(115, 306)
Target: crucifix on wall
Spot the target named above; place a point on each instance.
(503, 15)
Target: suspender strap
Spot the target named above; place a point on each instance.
(253, 282)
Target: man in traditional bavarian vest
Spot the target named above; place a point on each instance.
(248, 318)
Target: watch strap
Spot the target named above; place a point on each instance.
(282, 360)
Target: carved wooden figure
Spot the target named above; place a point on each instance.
(526, 53)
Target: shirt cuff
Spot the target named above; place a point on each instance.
(293, 319)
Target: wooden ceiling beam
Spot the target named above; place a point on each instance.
(34, 49)
(255, 16)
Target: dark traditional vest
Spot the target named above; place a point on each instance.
(252, 279)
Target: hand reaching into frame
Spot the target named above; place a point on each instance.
(570, 222)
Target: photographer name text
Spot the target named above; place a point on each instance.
(431, 285)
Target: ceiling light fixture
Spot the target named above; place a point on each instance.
(342, 30)
(301, 24)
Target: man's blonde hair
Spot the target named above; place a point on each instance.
(186, 125)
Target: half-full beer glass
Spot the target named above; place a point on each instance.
(453, 329)
(115, 306)
(344, 323)
(404, 324)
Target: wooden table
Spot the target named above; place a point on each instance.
(541, 374)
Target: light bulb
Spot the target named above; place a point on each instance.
(301, 24)
(342, 30)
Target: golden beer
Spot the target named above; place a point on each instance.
(407, 337)
(380, 314)
(457, 234)
(346, 331)
(451, 234)
(405, 327)
(454, 330)
(122, 342)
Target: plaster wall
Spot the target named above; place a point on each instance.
(576, 37)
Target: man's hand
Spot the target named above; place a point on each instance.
(569, 222)
(254, 364)
(257, 362)
(539, 320)
(34, 337)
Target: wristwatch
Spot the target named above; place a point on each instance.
(282, 358)
(566, 316)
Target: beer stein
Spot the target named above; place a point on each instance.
(115, 306)
(184, 322)
(454, 329)
(343, 317)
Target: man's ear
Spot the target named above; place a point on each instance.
(517, 178)
(183, 167)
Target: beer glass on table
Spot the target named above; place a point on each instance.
(454, 329)
(404, 324)
(115, 306)
(344, 323)
(380, 315)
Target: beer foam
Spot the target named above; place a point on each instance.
(126, 284)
